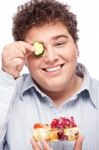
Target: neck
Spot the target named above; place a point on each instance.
(59, 97)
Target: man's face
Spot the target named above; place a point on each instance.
(55, 69)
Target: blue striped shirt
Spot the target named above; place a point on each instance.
(22, 104)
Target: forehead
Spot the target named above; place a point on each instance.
(47, 31)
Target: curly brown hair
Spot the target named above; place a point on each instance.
(40, 12)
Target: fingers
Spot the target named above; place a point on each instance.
(39, 146)
(78, 144)
(13, 57)
(35, 145)
(46, 146)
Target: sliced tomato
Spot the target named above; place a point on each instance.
(38, 125)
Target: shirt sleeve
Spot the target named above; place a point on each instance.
(7, 89)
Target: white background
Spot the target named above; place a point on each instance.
(88, 23)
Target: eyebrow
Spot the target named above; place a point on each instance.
(59, 36)
(55, 38)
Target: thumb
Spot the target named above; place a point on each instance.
(78, 144)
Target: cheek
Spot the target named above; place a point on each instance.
(31, 63)
(70, 55)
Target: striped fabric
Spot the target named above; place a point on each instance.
(29, 105)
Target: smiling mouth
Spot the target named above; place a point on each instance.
(54, 68)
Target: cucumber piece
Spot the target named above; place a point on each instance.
(39, 49)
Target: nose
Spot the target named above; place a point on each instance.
(51, 56)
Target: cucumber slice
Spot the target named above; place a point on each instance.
(39, 49)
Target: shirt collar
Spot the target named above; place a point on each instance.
(28, 84)
(80, 70)
(87, 84)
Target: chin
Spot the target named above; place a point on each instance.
(54, 88)
(53, 85)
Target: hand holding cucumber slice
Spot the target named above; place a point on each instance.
(39, 49)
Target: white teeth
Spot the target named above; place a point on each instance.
(53, 69)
